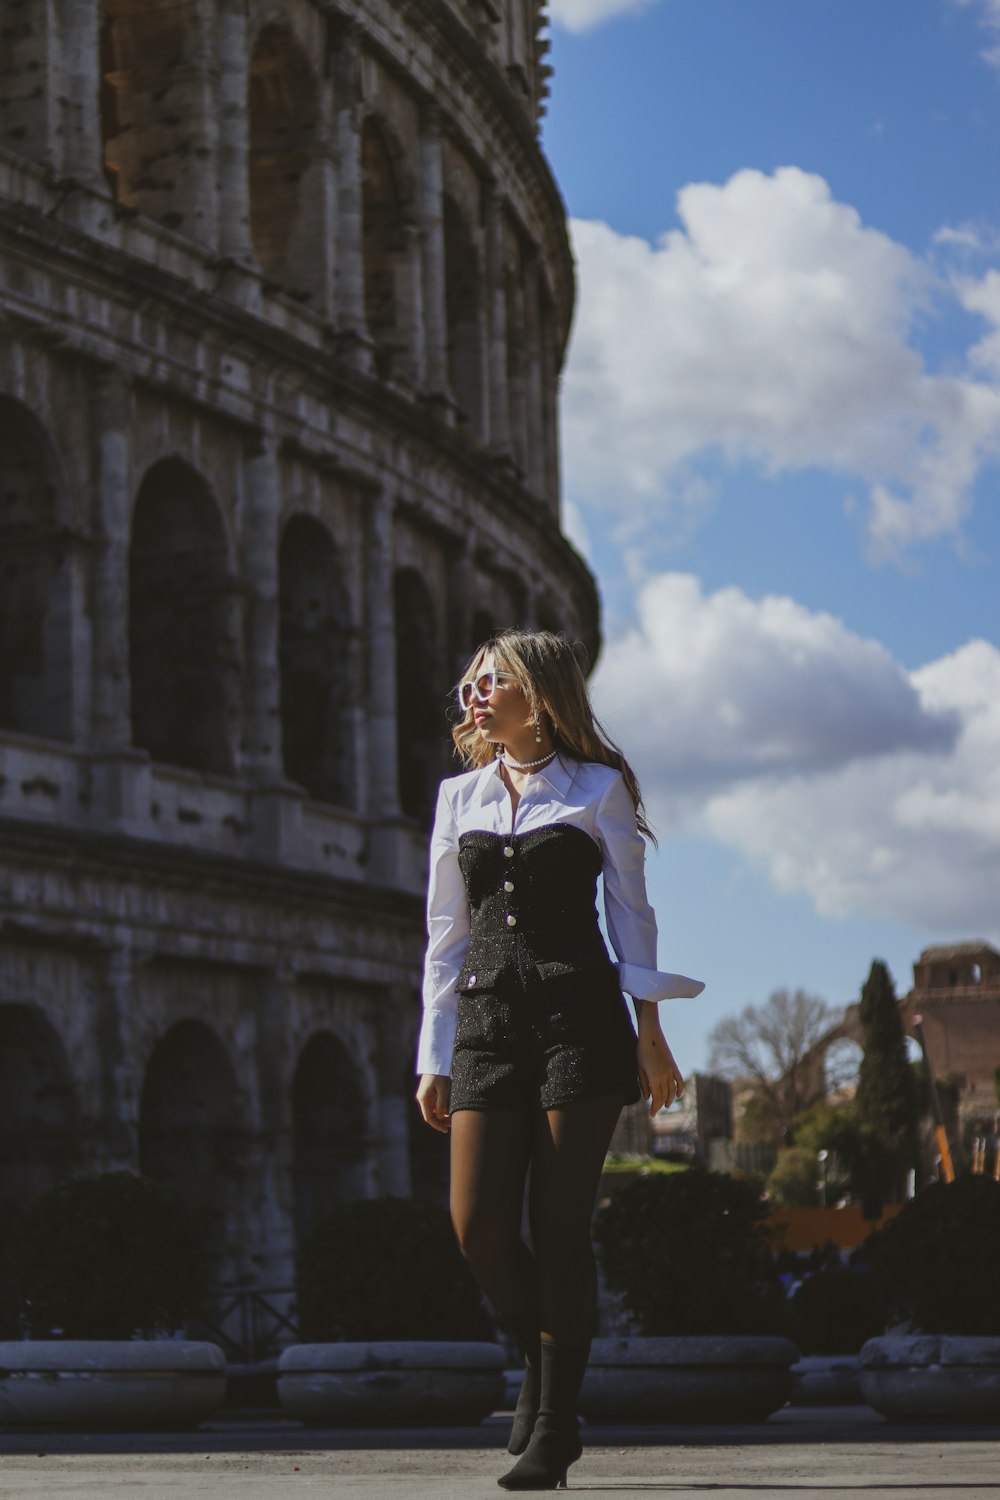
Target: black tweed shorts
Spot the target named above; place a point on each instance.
(543, 1042)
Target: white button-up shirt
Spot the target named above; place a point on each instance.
(594, 798)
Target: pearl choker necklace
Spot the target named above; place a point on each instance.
(525, 765)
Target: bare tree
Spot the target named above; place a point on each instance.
(775, 1049)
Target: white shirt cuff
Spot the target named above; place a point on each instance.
(437, 1042)
(651, 984)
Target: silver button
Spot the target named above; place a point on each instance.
(471, 979)
(508, 885)
(508, 852)
(511, 921)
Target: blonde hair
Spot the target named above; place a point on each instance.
(546, 668)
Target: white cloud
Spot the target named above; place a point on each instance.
(721, 688)
(989, 14)
(773, 328)
(911, 838)
(965, 238)
(814, 754)
(983, 297)
(582, 15)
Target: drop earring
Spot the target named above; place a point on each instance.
(538, 731)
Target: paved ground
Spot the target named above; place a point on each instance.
(800, 1454)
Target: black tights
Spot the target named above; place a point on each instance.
(491, 1151)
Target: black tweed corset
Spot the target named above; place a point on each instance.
(532, 903)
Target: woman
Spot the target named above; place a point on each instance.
(526, 1051)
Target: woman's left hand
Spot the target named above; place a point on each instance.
(659, 1076)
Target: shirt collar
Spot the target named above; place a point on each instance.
(559, 774)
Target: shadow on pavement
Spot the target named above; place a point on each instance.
(269, 1433)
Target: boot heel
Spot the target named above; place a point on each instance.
(555, 1442)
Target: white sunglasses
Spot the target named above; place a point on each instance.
(481, 689)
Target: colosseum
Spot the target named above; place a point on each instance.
(286, 290)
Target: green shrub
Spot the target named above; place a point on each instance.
(387, 1268)
(835, 1129)
(935, 1262)
(644, 1165)
(835, 1312)
(794, 1179)
(689, 1254)
(105, 1255)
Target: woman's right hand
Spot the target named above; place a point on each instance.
(433, 1096)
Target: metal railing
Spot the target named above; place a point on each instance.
(246, 1323)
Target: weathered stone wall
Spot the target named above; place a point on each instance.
(285, 292)
(956, 992)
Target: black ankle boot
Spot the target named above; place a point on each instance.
(555, 1441)
(525, 1330)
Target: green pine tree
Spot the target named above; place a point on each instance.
(886, 1100)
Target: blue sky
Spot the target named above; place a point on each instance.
(781, 452)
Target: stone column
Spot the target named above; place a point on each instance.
(496, 305)
(119, 773)
(410, 309)
(481, 418)
(550, 410)
(536, 471)
(273, 1163)
(433, 263)
(191, 204)
(78, 90)
(516, 378)
(232, 41)
(382, 799)
(394, 1104)
(261, 510)
(353, 340)
(116, 1135)
(111, 726)
(312, 262)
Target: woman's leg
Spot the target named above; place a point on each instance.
(570, 1145)
(490, 1151)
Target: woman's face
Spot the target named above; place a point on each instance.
(507, 713)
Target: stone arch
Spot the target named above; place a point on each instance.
(154, 106)
(39, 1110)
(183, 623)
(464, 317)
(384, 239)
(192, 1136)
(316, 698)
(284, 116)
(421, 695)
(36, 686)
(331, 1138)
